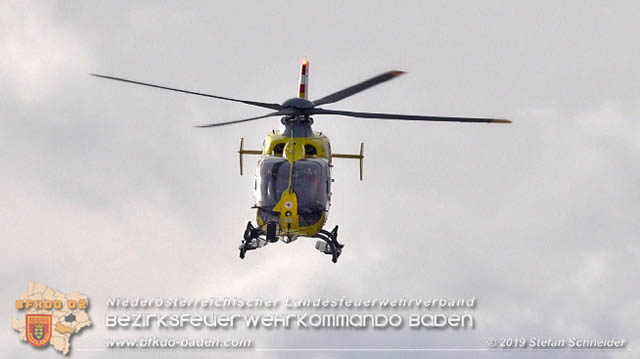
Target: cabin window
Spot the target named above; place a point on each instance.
(310, 150)
(278, 149)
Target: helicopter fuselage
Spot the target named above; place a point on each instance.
(292, 185)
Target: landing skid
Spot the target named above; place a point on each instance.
(330, 244)
(256, 237)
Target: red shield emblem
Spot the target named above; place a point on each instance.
(38, 329)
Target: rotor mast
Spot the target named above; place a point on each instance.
(299, 125)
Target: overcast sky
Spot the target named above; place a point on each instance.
(108, 189)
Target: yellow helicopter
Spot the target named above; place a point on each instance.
(292, 187)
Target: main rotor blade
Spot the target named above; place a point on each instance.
(350, 91)
(277, 113)
(273, 106)
(391, 116)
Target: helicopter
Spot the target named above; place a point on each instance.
(292, 183)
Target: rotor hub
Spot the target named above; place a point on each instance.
(298, 103)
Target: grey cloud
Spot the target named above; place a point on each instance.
(108, 189)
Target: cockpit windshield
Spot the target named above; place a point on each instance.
(310, 183)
